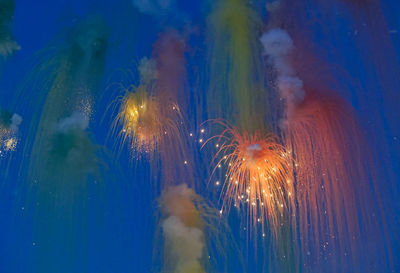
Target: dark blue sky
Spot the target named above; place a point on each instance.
(121, 240)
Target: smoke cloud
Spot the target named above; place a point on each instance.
(8, 47)
(15, 122)
(278, 46)
(183, 231)
(147, 70)
(186, 244)
(77, 121)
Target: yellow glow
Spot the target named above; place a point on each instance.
(10, 144)
(144, 121)
(8, 139)
(139, 118)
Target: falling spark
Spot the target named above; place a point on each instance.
(249, 158)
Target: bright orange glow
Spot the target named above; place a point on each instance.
(258, 175)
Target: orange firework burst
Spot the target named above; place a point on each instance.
(143, 120)
(258, 174)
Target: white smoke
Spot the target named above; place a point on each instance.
(77, 121)
(15, 122)
(254, 147)
(154, 7)
(8, 47)
(186, 244)
(148, 70)
(184, 239)
(278, 46)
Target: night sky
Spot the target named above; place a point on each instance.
(114, 219)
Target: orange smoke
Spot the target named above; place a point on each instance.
(176, 162)
(169, 51)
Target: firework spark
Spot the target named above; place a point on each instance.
(138, 117)
(331, 179)
(258, 174)
(326, 141)
(143, 121)
(9, 124)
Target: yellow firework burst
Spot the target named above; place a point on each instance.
(144, 120)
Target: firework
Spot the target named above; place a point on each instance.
(321, 135)
(145, 122)
(140, 122)
(9, 124)
(258, 175)
(321, 130)
(149, 113)
(150, 120)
